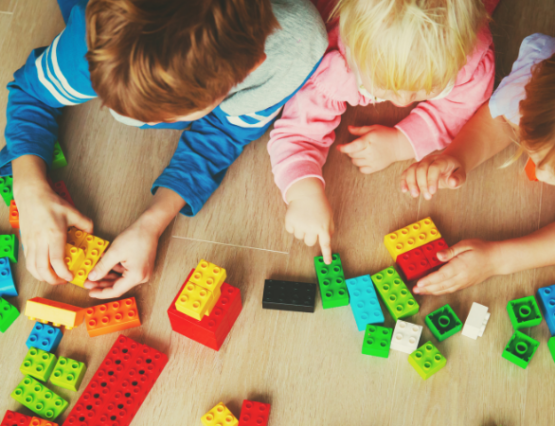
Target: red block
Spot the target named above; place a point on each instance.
(213, 329)
(254, 413)
(422, 260)
(15, 419)
(61, 189)
(119, 386)
(431, 249)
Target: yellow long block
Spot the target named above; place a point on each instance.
(219, 416)
(194, 301)
(411, 237)
(81, 264)
(44, 310)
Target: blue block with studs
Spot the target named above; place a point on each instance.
(364, 302)
(44, 337)
(7, 285)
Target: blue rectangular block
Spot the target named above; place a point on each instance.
(44, 337)
(7, 285)
(364, 302)
(546, 296)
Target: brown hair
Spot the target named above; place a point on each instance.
(157, 60)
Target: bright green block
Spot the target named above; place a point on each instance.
(520, 349)
(524, 312)
(68, 374)
(427, 360)
(9, 247)
(8, 314)
(6, 189)
(58, 160)
(332, 282)
(443, 323)
(551, 346)
(38, 364)
(39, 399)
(377, 340)
(396, 296)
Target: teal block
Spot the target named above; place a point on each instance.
(8, 314)
(396, 296)
(427, 360)
(520, 349)
(39, 399)
(6, 189)
(38, 364)
(9, 247)
(331, 279)
(58, 160)
(524, 312)
(68, 374)
(377, 340)
(364, 302)
(443, 323)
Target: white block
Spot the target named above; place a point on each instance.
(406, 337)
(476, 321)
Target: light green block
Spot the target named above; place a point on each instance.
(68, 374)
(38, 364)
(396, 296)
(427, 360)
(39, 399)
(331, 279)
(59, 159)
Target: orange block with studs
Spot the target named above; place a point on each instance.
(35, 421)
(530, 170)
(45, 311)
(112, 317)
(82, 253)
(14, 215)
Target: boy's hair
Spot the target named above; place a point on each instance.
(155, 60)
(410, 44)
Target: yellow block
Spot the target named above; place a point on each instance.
(44, 310)
(74, 256)
(208, 276)
(92, 248)
(411, 237)
(194, 301)
(219, 416)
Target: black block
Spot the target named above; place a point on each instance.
(289, 296)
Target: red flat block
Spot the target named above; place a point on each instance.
(119, 386)
(254, 413)
(422, 260)
(15, 419)
(60, 188)
(213, 329)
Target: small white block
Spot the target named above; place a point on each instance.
(476, 321)
(406, 337)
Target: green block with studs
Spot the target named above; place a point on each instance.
(551, 346)
(443, 323)
(6, 189)
(9, 247)
(377, 340)
(38, 364)
(524, 312)
(396, 296)
(427, 360)
(8, 314)
(68, 374)
(520, 349)
(39, 399)
(58, 160)
(333, 288)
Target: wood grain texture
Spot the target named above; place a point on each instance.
(7, 6)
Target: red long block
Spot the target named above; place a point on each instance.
(422, 260)
(60, 188)
(213, 329)
(119, 386)
(254, 413)
(15, 419)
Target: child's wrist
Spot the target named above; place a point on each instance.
(502, 258)
(304, 188)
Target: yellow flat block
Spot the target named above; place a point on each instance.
(219, 416)
(411, 237)
(209, 276)
(44, 310)
(92, 248)
(194, 300)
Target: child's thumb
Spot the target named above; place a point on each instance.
(104, 265)
(457, 179)
(452, 252)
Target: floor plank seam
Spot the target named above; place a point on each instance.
(4, 12)
(230, 245)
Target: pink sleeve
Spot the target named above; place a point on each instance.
(432, 125)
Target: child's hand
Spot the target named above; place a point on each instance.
(377, 148)
(468, 263)
(433, 172)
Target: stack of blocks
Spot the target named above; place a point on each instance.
(82, 252)
(332, 282)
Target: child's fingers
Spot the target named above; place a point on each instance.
(57, 255)
(447, 286)
(362, 130)
(409, 179)
(325, 245)
(121, 286)
(445, 273)
(455, 250)
(30, 260)
(289, 227)
(422, 178)
(44, 269)
(80, 221)
(457, 179)
(352, 148)
(299, 235)
(110, 259)
(107, 281)
(310, 239)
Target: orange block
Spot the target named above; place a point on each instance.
(14, 215)
(112, 317)
(44, 310)
(35, 421)
(530, 170)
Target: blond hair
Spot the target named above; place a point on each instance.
(410, 44)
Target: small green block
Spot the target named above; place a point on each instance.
(68, 374)
(9, 247)
(39, 399)
(524, 312)
(6, 189)
(396, 296)
(427, 360)
(38, 364)
(58, 160)
(377, 340)
(551, 346)
(332, 282)
(8, 314)
(443, 323)
(520, 349)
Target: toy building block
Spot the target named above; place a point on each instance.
(397, 298)
(9, 247)
(524, 312)
(8, 314)
(7, 285)
(58, 159)
(6, 189)
(83, 263)
(443, 323)
(35, 421)
(427, 360)
(14, 215)
(212, 330)
(364, 302)
(254, 413)
(520, 349)
(44, 337)
(39, 399)
(119, 386)
(530, 170)
(551, 346)
(194, 301)
(112, 317)
(60, 188)
(406, 337)
(476, 321)
(15, 419)
(422, 260)
(57, 313)
(546, 296)
(332, 282)
(289, 296)
(376, 341)
(38, 364)
(411, 237)
(219, 416)
(68, 373)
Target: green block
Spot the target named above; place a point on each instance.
(551, 346)
(9, 247)
(68, 374)
(6, 189)
(39, 399)
(520, 349)
(38, 364)
(524, 312)
(332, 282)
(377, 340)
(58, 160)
(443, 323)
(427, 360)
(8, 314)
(396, 296)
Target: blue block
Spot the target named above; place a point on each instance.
(7, 285)
(44, 337)
(546, 296)
(364, 302)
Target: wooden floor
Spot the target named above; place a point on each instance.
(308, 366)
